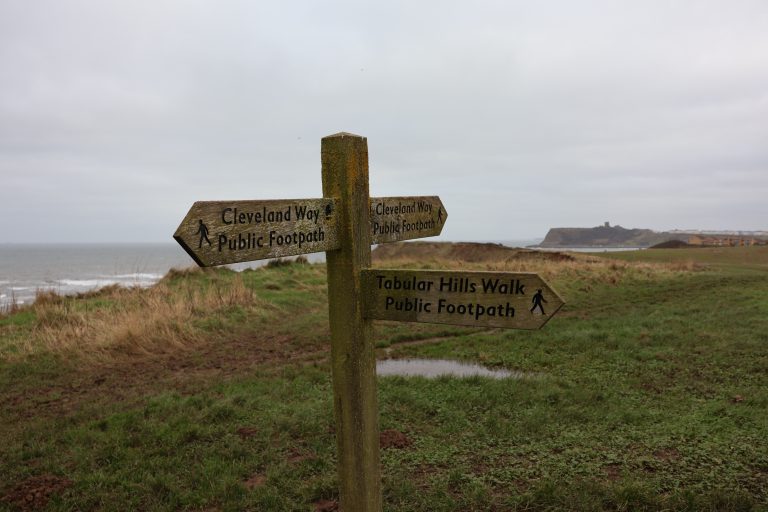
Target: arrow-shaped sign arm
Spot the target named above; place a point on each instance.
(406, 218)
(223, 232)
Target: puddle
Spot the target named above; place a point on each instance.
(433, 368)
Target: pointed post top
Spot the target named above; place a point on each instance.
(342, 135)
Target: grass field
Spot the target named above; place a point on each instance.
(211, 391)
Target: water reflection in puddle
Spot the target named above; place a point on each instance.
(432, 368)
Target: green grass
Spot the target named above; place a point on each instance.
(651, 394)
(734, 258)
(178, 452)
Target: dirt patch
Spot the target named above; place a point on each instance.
(247, 432)
(130, 379)
(667, 454)
(612, 471)
(257, 480)
(296, 457)
(34, 493)
(394, 439)
(650, 388)
(326, 506)
(435, 339)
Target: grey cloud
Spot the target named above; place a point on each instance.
(116, 116)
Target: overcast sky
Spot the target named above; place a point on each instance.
(115, 116)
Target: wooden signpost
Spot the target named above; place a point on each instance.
(406, 218)
(345, 223)
(488, 299)
(223, 232)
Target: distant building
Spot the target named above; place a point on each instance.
(724, 241)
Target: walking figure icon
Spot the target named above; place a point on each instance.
(440, 215)
(202, 230)
(537, 299)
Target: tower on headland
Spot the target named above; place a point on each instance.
(607, 224)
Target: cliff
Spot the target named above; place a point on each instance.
(604, 236)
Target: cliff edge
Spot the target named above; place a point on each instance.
(603, 236)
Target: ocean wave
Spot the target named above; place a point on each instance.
(21, 288)
(89, 283)
(100, 283)
(137, 276)
(6, 301)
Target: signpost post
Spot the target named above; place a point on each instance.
(353, 357)
(344, 224)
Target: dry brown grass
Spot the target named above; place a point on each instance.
(117, 320)
(495, 257)
(533, 262)
(571, 265)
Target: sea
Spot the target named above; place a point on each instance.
(69, 269)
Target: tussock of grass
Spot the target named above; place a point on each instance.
(166, 317)
(11, 306)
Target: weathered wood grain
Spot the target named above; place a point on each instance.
(487, 299)
(353, 359)
(222, 232)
